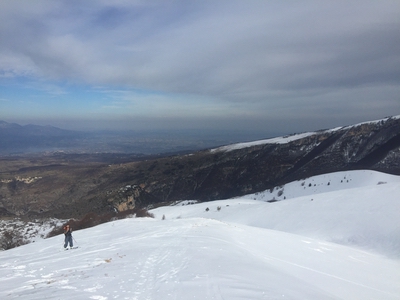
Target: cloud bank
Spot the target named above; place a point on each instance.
(335, 60)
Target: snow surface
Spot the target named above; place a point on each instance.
(342, 244)
(373, 122)
(325, 183)
(277, 140)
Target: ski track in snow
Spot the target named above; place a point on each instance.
(341, 245)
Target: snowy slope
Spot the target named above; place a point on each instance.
(365, 216)
(325, 183)
(343, 244)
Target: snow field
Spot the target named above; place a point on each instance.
(325, 183)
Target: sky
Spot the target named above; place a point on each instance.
(276, 67)
(342, 245)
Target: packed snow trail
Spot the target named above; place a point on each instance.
(194, 258)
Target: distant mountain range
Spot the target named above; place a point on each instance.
(34, 130)
(20, 140)
(17, 139)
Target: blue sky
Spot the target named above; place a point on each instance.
(270, 66)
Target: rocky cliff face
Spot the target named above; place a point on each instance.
(66, 189)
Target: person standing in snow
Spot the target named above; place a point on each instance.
(68, 236)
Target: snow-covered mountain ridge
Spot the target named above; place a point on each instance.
(294, 137)
(342, 244)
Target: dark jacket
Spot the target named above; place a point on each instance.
(68, 231)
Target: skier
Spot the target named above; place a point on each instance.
(68, 237)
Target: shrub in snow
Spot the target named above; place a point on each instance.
(10, 239)
(142, 213)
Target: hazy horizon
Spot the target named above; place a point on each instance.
(274, 68)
